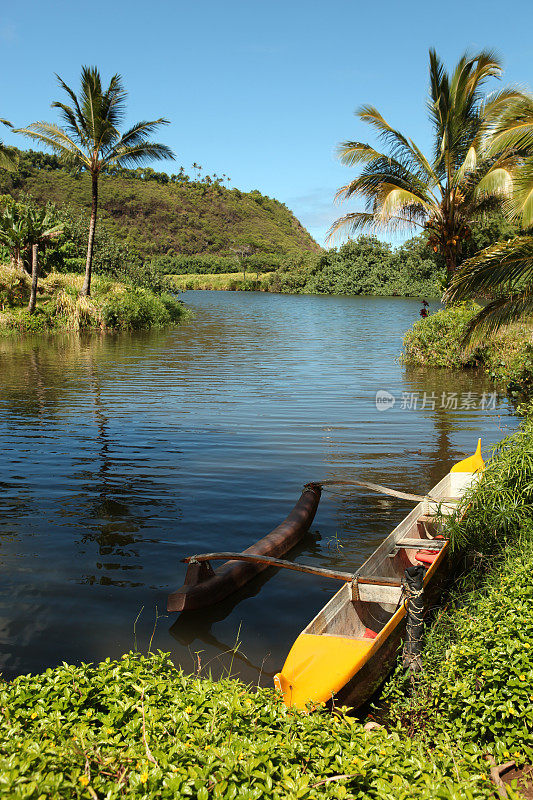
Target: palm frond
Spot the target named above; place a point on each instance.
(498, 181)
(55, 137)
(137, 133)
(357, 221)
(498, 314)
(499, 267)
(137, 154)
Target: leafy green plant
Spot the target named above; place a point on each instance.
(475, 689)
(140, 728)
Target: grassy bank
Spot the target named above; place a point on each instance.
(113, 305)
(506, 357)
(140, 728)
(228, 281)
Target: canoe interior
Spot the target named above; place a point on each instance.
(352, 611)
(347, 650)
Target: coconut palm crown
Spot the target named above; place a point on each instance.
(446, 192)
(90, 139)
(503, 273)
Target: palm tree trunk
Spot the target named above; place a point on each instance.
(86, 288)
(34, 279)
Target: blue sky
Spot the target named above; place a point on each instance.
(260, 91)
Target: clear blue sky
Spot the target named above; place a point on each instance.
(262, 91)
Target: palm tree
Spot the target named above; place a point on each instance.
(503, 273)
(7, 159)
(90, 139)
(444, 193)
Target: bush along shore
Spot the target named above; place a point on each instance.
(507, 357)
(113, 305)
(139, 727)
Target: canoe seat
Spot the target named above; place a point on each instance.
(426, 556)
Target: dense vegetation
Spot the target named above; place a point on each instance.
(155, 218)
(113, 306)
(438, 340)
(476, 688)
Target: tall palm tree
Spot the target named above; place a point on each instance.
(7, 159)
(91, 141)
(443, 193)
(503, 273)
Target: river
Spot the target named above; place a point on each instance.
(120, 455)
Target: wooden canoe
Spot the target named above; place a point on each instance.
(204, 586)
(348, 649)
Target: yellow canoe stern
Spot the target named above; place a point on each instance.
(473, 463)
(317, 667)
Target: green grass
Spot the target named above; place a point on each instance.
(229, 281)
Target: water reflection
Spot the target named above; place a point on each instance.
(121, 455)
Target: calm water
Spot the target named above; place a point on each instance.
(121, 455)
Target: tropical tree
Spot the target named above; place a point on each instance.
(90, 139)
(443, 193)
(503, 273)
(7, 159)
(42, 227)
(13, 232)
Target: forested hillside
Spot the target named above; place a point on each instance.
(155, 213)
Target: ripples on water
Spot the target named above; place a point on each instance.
(120, 455)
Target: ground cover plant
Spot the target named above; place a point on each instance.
(140, 728)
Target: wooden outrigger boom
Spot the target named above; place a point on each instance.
(204, 586)
(348, 649)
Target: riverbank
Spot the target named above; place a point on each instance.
(112, 306)
(506, 357)
(140, 726)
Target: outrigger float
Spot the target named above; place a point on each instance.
(349, 648)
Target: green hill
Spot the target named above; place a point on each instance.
(157, 214)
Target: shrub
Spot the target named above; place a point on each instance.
(136, 309)
(436, 340)
(14, 287)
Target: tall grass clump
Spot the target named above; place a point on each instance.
(496, 509)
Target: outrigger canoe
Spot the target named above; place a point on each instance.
(349, 648)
